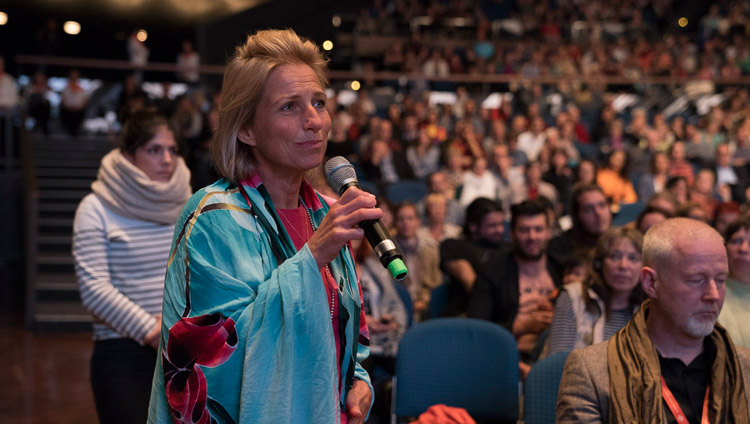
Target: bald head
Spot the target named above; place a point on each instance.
(663, 240)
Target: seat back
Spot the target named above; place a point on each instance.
(540, 389)
(438, 300)
(628, 213)
(459, 362)
(411, 190)
(405, 297)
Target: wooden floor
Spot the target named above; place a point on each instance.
(44, 376)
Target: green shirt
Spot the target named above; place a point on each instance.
(736, 312)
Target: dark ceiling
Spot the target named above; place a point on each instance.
(143, 12)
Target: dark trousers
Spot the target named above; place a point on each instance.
(121, 375)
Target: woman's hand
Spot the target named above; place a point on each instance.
(340, 224)
(152, 337)
(358, 402)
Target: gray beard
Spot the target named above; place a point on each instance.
(700, 328)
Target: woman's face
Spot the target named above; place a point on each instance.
(291, 125)
(158, 157)
(680, 190)
(661, 163)
(407, 222)
(738, 252)
(436, 210)
(622, 266)
(586, 172)
(617, 161)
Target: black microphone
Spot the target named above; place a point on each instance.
(341, 175)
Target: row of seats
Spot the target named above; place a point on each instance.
(472, 364)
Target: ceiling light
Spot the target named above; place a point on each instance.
(3, 18)
(72, 27)
(141, 35)
(327, 45)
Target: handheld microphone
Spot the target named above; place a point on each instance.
(341, 175)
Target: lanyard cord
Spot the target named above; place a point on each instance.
(675, 407)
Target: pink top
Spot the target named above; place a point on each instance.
(297, 224)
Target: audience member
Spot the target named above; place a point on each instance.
(420, 255)
(574, 270)
(614, 181)
(591, 312)
(435, 226)
(702, 192)
(8, 90)
(462, 258)
(188, 63)
(477, 182)
(656, 179)
(679, 166)
(560, 175)
(138, 53)
(515, 287)
(693, 211)
(387, 318)
(121, 236)
(533, 186)
(424, 156)
(532, 141)
(384, 165)
(438, 183)
(506, 175)
(586, 172)
(73, 102)
(649, 216)
(735, 314)
(591, 218)
(679, 189)
(671, 345)
(724, 214)
(37, 102)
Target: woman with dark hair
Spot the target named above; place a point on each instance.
(586, 172)
(735, 313)
(614, 181)
(650, 216)
(121, 236)
(656, 179)
(263, 319)
(591, 312)
(679, 189)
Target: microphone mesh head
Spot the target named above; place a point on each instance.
(338, 171)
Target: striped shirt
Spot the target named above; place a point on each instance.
(120, 265)
(563, 332)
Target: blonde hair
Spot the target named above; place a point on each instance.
(244, 80)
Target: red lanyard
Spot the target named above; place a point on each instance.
(675, 407)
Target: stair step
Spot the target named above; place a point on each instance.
(71, 163)
(58, 207)
(55, 182)
(55, 222)
(56, 281)
(51, 311)
(50, 239)
(66, 172)
(56, 258)
(63, 194)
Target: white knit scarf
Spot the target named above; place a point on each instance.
(129, 192)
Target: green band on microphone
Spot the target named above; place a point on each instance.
(398, 270)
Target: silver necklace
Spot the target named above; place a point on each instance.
(327, 269)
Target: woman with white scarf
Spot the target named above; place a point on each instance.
(121, 237)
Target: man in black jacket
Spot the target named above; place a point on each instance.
(591, 218)
(515, 288)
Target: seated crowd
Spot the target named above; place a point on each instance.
(528, 220)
